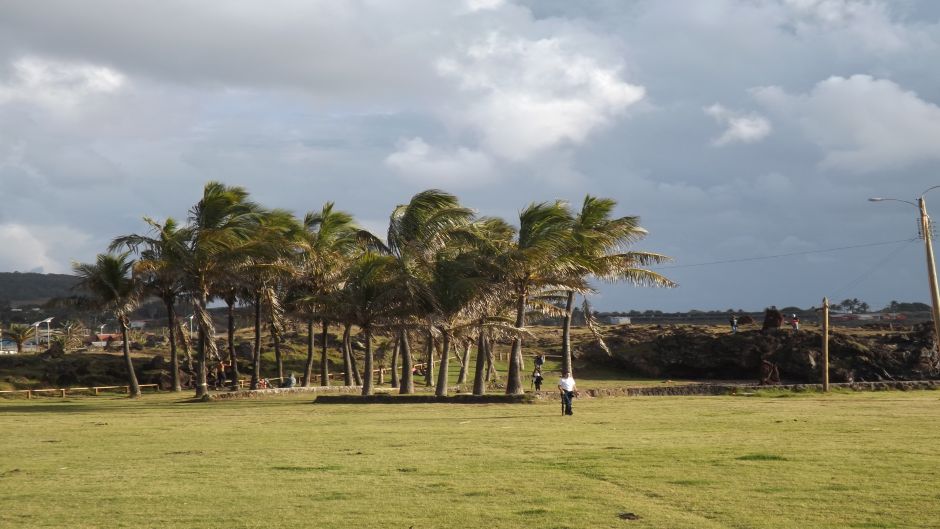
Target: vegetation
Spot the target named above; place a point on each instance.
(442, 274)
(843, 460)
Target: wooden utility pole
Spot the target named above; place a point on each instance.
(931, 266)
(825, 344)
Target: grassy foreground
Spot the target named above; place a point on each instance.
(843, 460)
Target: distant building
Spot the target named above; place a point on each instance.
(138, 324)
(618, 320)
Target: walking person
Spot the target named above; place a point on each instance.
(537, 379)
(734, 324)
(567, 388)
(795, 322)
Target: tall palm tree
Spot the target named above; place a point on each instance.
(19, 333)
(111, 287)
(417, 232)
(598, 248)
(223, 220)
(332, 240)
(535, 263)
(160, 273)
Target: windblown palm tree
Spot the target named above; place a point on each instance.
(159, 270)
(19, 333)
(112, 288)
(371, 296)
(223, 220)
(534, 264)
(598, 248)
(417, 232)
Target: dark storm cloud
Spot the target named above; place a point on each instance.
(734, 128)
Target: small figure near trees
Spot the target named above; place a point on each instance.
(795, 322)
(733, 321)
(568, 388)
(537, 379)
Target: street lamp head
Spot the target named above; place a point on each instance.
(875, 199)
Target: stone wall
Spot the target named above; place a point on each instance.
(261, 393)
(732, 389)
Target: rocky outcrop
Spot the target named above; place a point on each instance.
(696, 353)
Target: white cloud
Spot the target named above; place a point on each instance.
(38, 248)
(740, 127)
(526, 95)
(57, 84)
(424, 164)
(483, 5)
(863, 124)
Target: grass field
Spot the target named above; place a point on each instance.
(842, 460)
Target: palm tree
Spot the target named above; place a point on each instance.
(417, 232)
(19, 333)
(332, 239)
(159, 270)
(535, 263)
(111, 287)
(598, 249)
(220, 222)
(371, 296)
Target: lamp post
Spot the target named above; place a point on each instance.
(921, 206)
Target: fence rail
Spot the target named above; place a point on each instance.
(62, 392)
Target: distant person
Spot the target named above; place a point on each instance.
(733, 320)
(537, 379)
(289, 382)
(220, 374)
(795, 322)
(567, 387)
(539, 360)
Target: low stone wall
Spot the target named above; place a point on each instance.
(731, 389)
(261, 393)
(385, 398)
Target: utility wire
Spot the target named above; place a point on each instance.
(777, 256)
(864, 275)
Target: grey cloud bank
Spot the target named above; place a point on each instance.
(734, 128)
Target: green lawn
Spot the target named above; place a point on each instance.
(842, 460)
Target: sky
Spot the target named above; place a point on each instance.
(735, 129)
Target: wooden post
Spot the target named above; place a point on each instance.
(825, 344)
(29, 394)
(96, 391)
(63, 392)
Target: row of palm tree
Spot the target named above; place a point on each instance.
(441, 272)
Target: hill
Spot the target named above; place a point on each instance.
(23, 288)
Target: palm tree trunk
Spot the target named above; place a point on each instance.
(202, 384)
(429, 362)
(347, 358)
(233, 358)
(442, 378)
(174, 358)
(479, 384)
(184, 341)
(357, 378)
(367, 376)
(395, 350)
(276, 336)
(566, 336)
(464, 364)
(133, 387)
(489, 359)
(308, 366)
(407, 386)
(514, 378)
(256, 356)
(324, 359)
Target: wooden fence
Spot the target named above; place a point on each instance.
(62, 392)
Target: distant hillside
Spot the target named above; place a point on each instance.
(17, 288)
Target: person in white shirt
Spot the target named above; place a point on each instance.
(567, 388)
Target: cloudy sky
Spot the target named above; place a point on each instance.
(734, 128)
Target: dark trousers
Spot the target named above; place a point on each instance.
(566, 397)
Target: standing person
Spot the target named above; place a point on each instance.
(567, 388)
(795, 321)
(733, 320)
(220, 375)
(539, 360)
(537, 379)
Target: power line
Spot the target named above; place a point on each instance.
(876, 266)
(791, 254)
